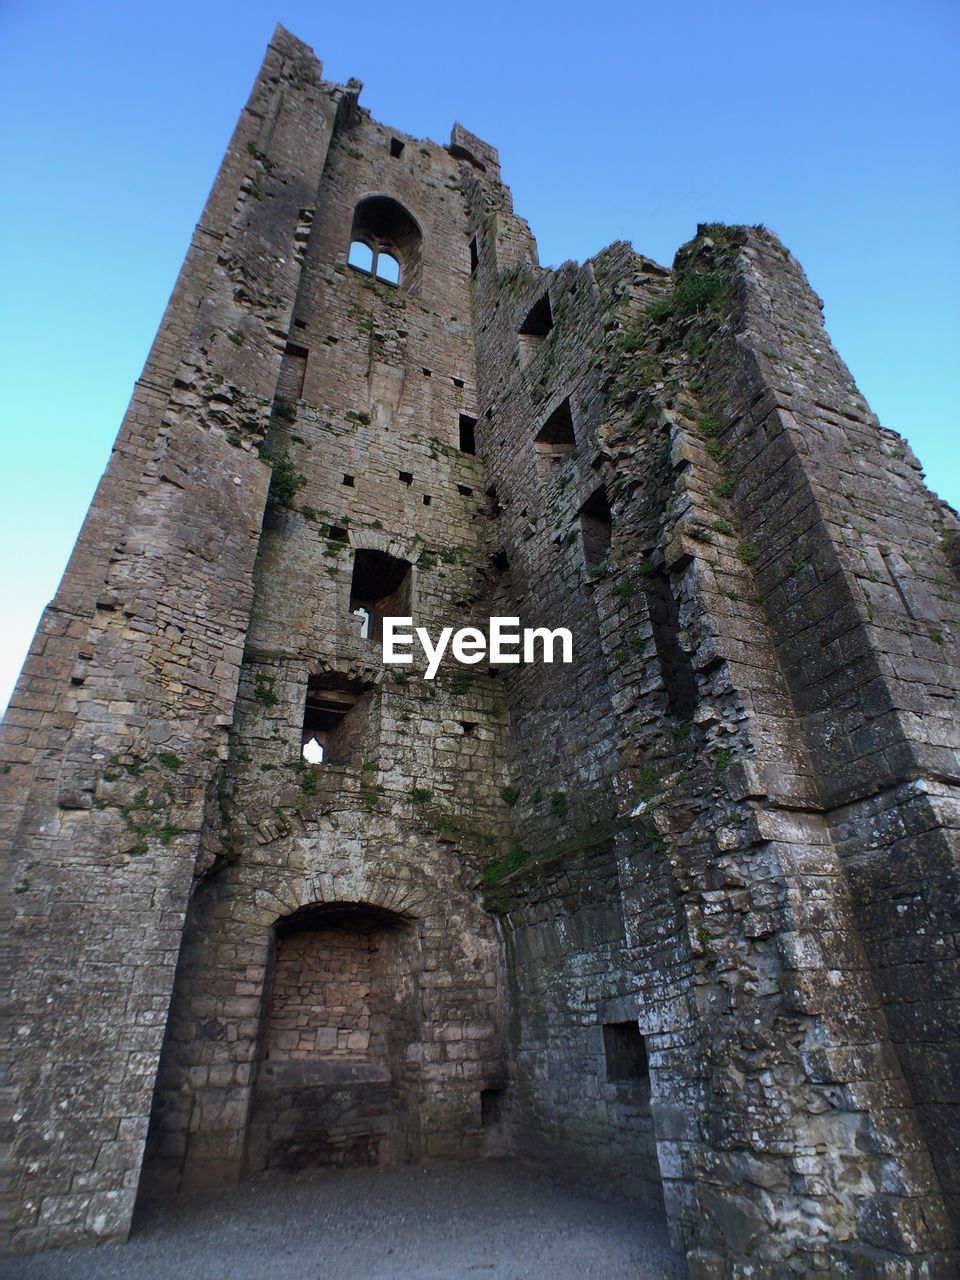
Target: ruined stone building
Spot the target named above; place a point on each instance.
(681, 916)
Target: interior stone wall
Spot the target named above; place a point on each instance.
(336, 1080)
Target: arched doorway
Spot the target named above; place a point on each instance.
(337, 1079)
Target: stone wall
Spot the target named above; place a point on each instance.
(680, 916)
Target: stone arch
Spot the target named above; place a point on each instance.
(390, 231)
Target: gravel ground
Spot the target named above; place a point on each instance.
(476, 1221)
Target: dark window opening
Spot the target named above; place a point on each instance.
(495, 505)
(465, 491)
(334, 720)
(474, 255)
(348, 481)
(385, 242)
(468, 439)
(380, 588)
(499, 561)
(555, 441)
(396, 148)
(535, 328)
(336, 533)
(299, 324)
(491, 1107)
(469, 728)
(427, 499)
(595, 528)
(406, 476)
(293, 372)
(331, 340)
(625, 1051)
(675, 666)
(428, 373)
(457, 382)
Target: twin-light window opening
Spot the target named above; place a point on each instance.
(374, 260)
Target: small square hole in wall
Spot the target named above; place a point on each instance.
(331, 340)
(336, 533)
(469, 728)
(457, 382)
(625, 1051)
(474, 255)
(396, 148)
(428, 373)
(406, 476)
(299, 324)
(465, 491)
(349, 481)
(427, 499)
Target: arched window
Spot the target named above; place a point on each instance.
(385, 243)
(361, 257)
(388, 268)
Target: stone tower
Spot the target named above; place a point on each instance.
(682, 915)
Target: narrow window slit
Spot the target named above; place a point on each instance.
(468, 440)
(596, 527)
(676, 669)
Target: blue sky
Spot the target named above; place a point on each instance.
(832, 123)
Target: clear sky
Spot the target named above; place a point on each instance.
(835, 124)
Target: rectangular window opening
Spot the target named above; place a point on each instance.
(336, 533)
(625, 1051)
(427, 499)
(474, 255)
(348, 481)
(380, 588)
(334, 720)
(405, 476)
(491, 1108)
(468, 438)
(457, 382)
(596, 528)
(428, 373)
(469, 728)
(396, 148)
(465, 491)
